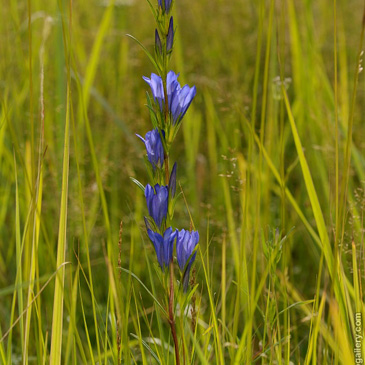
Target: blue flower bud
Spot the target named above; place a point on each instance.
(154, 147)
(165, 5)
(157, 202)
(158, 44)
(170, 36)
(164, 246)
(168, 5)
(156, 85)
(185, 245)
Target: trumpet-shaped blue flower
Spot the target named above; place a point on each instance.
(179, 99)
(164, 246)
(165, 5)
(154, 147)
(156, 85)
(185, 245)
(157, 202)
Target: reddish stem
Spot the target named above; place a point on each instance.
(171, 313)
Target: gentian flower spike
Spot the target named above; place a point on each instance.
(185, 245)
(154, 148)
(172, 182)
(157, 202)
(156, 85)
(158, 44)
(164, 246)
(170, 36)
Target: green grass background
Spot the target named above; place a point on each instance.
(273, 174)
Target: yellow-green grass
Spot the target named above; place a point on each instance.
(270, 161)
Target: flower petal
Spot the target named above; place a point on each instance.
(157, 241)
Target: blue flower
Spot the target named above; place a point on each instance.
(171, 85)
(179, 99)
(164, 246)
(154, 147)
(185, 245)
(157, 201)
(170, 36)
(166, 3)
(156, 85)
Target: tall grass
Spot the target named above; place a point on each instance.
(271, 158)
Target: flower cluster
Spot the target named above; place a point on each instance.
(159, 198)
(179, 98)
(168, 106)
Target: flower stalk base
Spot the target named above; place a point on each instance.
(171, 314)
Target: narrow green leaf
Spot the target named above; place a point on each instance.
(138, 183)
(147, 53)
(147, 290)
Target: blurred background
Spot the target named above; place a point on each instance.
(235, 52)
